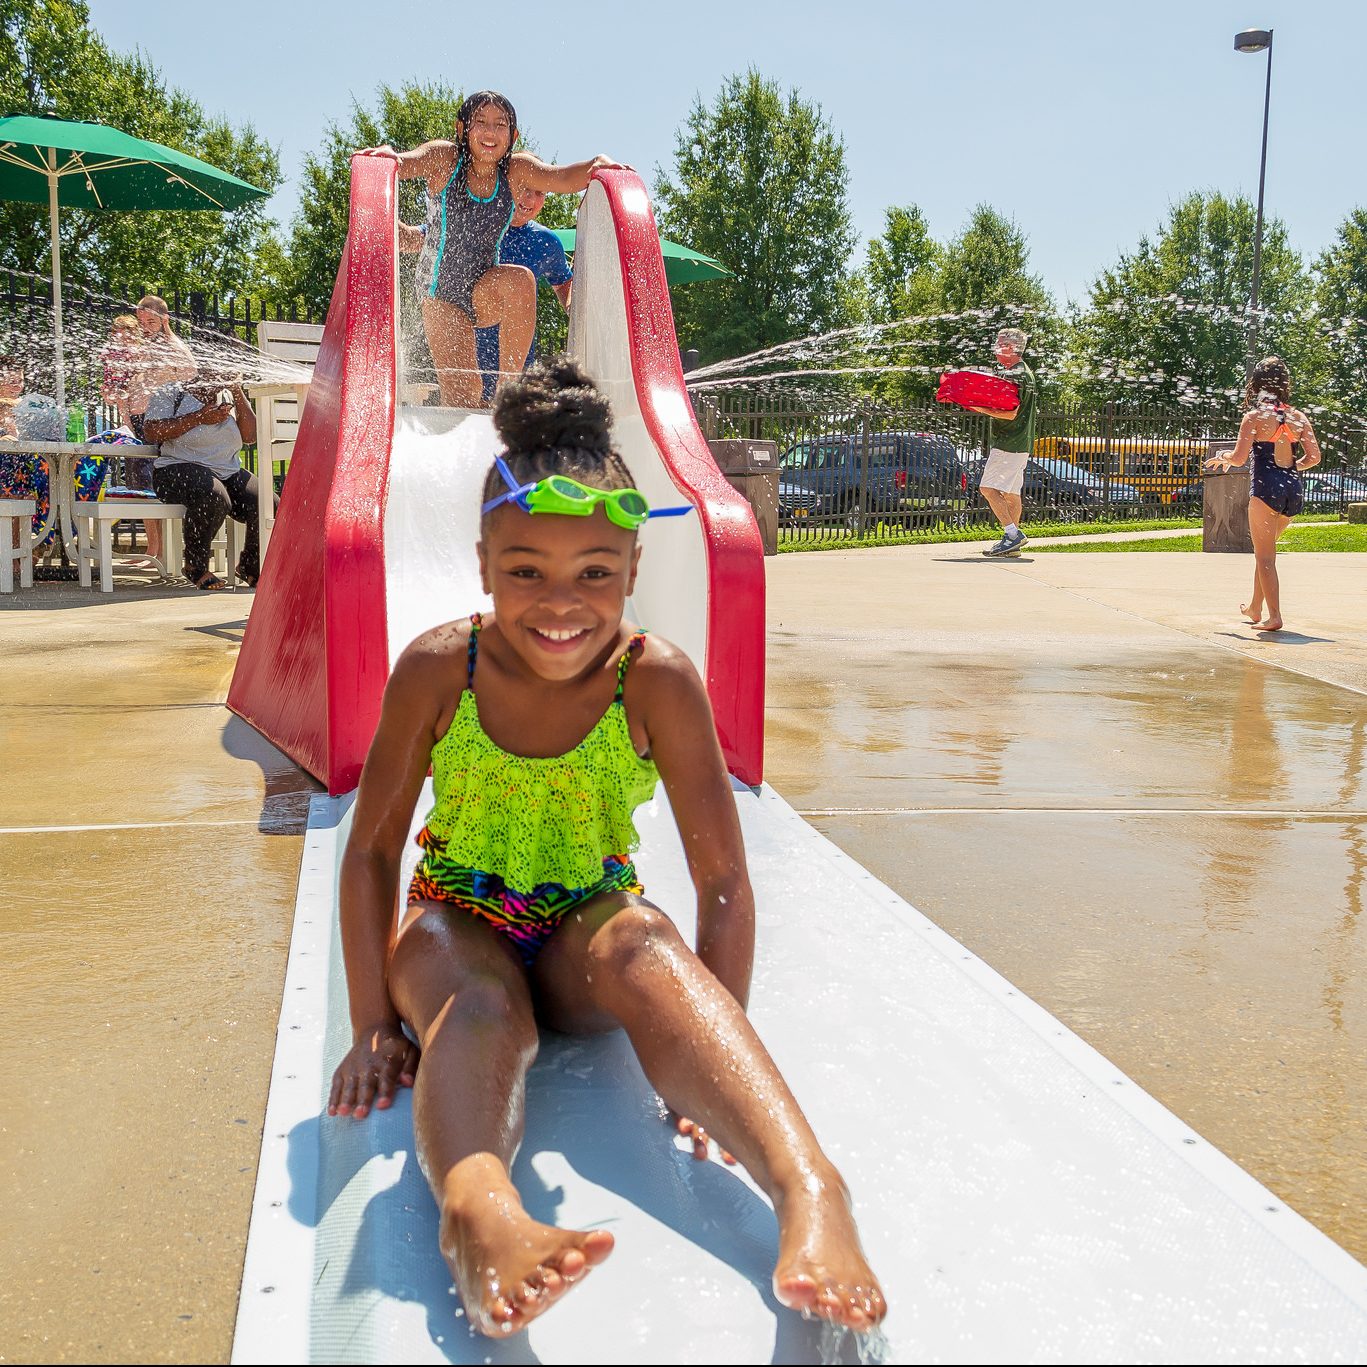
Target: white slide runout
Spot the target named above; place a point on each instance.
(1021, 1199)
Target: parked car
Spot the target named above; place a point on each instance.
(1331, 489)
(903, 471)
(1051, 483)
(1068, 484)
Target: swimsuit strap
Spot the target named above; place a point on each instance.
(637, 641)
(472, 653)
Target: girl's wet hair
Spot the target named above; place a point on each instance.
(554, 420)
(471, 106)
(1272, 375)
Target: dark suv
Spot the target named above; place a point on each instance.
(904, 472)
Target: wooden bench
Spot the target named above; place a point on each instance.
(16, 516)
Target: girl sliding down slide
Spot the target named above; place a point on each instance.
(545, 725)
(473, 183)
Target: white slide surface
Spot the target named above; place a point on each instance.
(1020, 1198)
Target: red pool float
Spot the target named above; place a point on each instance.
(977, 389)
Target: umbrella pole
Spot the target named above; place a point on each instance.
(56, 277)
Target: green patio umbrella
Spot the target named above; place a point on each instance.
(92, 166)
(683, 265)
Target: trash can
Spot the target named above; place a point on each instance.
(751, 469)
(1224, 506)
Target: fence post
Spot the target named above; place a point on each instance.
(861, 507)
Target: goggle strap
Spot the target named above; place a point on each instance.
(517, 493)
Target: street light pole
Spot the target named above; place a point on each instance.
(1256, 40)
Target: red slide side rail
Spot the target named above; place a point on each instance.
(314, 659)
(735, 555)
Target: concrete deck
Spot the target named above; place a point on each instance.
(1082, 766)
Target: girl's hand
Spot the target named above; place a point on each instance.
(690, 1129)
(385, 151)
(605, 163)
(1218, 463)
(382, 1060)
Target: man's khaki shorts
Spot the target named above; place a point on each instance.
(1004, 471)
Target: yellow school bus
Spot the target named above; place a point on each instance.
(1156, 466)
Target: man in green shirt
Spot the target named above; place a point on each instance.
(1012, 441)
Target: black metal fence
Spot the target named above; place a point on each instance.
(865, 470)
(26, 326)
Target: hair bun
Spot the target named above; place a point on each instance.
(554, 406)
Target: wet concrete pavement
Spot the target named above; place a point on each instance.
(1132, 815)
(1122, 801)
(149, 849)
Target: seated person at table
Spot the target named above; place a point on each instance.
(201, 427)
(123, 358)
(163, 359)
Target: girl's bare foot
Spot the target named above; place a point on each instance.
(821, 1267)
(1272, 624)
(1251, 612)
(509, 1268)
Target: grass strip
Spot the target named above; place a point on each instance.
(887, 534)
(1340, 537)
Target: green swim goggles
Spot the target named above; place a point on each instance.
(625, 508)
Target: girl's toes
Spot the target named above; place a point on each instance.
(597, 1245)
(552, 1281)
(798, 1292)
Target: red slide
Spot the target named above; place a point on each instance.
(374, 541)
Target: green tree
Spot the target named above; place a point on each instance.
(1168, 322)
(934, 307)
(1341, 296)
(53, 62)
(760, 183)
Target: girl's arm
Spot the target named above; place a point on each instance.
(398, 760)
(529, 172)
(683, 742)
(1243, 448)
(1309, 443)
(422, 163)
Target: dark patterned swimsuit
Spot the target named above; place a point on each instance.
(464, 234)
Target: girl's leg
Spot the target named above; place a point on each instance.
(451, 339)
(506, 296)
(463, 991)
(1266, 525)
(618, 961)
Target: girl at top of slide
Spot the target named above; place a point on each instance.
(546, 723)
(473, 183)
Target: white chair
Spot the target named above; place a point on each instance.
(103, 515)
(16, 516)
(279, 406)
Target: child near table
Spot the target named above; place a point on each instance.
(546, 723)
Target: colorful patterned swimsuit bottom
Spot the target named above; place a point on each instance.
(542, 824)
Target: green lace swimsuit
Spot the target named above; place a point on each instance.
(521, 841)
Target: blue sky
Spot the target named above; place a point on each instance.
(1082, 121)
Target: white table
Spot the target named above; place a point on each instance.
(62, 457)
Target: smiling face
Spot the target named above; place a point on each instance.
(559, 585)
(491, 134)
(529, 203)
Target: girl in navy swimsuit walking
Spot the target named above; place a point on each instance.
(1282, 443)
(472, 185)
